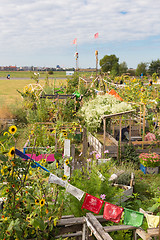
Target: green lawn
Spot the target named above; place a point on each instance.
(8, 88)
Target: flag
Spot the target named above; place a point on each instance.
(92, 203)
(133, 218)
(74, 191)
(112, 212)
(75, 41)
(54, 179)
(96, 35)
(152, 220)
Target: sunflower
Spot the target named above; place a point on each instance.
(43, 160)
(12, 130)
(11, 152)
(7, 190)
(67, 162)
(42, 202)
(8, 233)
(37, 201)
(13, 185)
(64, 177)
(47, 211)
(64, 134)
(6, 133)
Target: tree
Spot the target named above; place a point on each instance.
(141, 68)
(110, 63)
(123, 68)
(154, 67)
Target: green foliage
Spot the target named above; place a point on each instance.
(31, 207)
(129, 156)
(123, 68)
(90, 182)
(110, 63)
(141, 68)
(154, 67)
(72, 83)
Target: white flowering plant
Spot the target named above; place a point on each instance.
(93, 110)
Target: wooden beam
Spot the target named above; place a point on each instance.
(117, 114)
(96, 227)
(118, 228)
(104, 134)
(143, 234)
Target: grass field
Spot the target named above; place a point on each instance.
(8, 89)
(28, 74)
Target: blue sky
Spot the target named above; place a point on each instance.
(40, 33)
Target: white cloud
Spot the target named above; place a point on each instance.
(34, 25)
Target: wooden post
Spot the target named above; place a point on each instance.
(67, 171)
(130, 130)
(140, 120)
(104, 134)
(144, 113)
(74, 164)
(120, 138)
(85, 145)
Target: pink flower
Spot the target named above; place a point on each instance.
(98, 156)
(103, 196)
(106, 151)
(88, 160)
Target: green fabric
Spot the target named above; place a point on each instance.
(133, 218)
(77, 94)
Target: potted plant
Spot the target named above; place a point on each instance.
(149, 163)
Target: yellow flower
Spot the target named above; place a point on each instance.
(2, 172)
(12, 130)
(37, 201)
(64, 134)
(42, 202)
(67, 162)
(11, 152)
(43, 160)
(5, 133)
(47, 211)
(57, 165)
(64, 177)
(55, 221)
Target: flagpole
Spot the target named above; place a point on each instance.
(96, 35)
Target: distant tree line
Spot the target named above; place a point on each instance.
(110, 64)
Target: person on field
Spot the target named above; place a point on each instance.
(124, 134)
(149, 136)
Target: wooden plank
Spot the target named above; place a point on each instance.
(118, 228)
(143, 234)
(97, 227)
(117, 114)
(70, 221)
(153, 232)
(84, 231)
(112, 139)
(70, 235)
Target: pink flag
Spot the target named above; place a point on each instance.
(75, 41)
(96, 35)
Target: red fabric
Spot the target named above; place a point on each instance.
(150, 137)
(75, 41)
(112, 212)
(113, 92)
(96, 35)
(92, 203)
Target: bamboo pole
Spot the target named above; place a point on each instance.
(130, 130)
(104, 134)
(144, 113)
(140, 120)
(120, 137)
